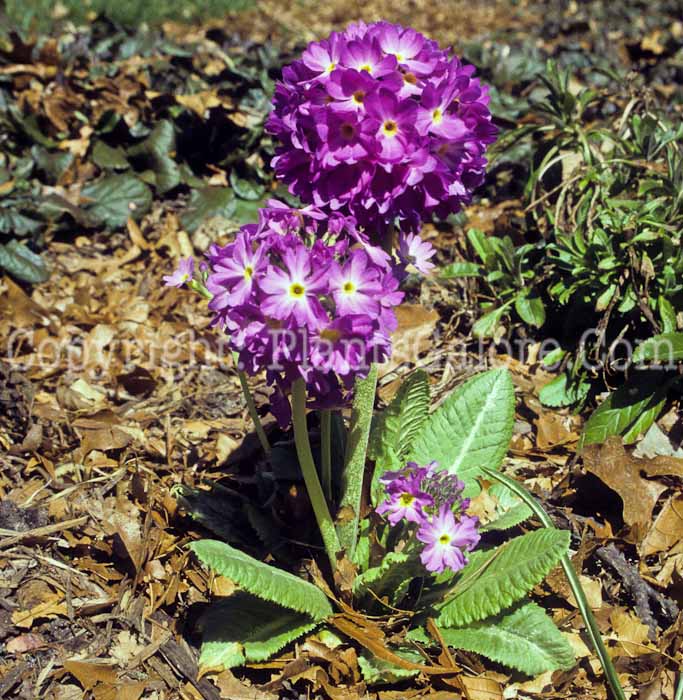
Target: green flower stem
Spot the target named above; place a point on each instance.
(574, 584)
(198, 287)
(326, 450)
(315, 492)
(356, 455)
(251, 407)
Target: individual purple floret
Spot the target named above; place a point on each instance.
(182, 275)
(416, 252)
(379, 123)
(447, 540)
(405, 498)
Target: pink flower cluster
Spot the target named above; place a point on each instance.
(432, 499)
(304, 295)
(380, 123)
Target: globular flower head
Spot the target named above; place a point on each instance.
(302, 295)
(380, 123)
(182, 275)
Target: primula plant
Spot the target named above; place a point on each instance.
(379, 129)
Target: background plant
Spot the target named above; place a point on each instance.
(604, 207)
(153, 135)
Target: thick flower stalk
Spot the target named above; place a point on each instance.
(431, 499)
(304, 302)
(379, 123)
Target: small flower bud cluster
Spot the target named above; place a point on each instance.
(432, 499)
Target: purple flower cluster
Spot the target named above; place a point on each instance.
(304, 295)
(432, 499)
(380, 123)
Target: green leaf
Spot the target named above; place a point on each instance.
(473, 427)
(460, 269)
(208, 203)
(262, 580)
(51, 163)
(378, 671)
(15, 222)
(244, 629)
(116, 198)
(246, 211)
(361, 556)
(156, 152)
(530, 309)
(561, 391)
(395, 429)
(392, 577)
(481, 244)
(246, 189)
(23, 263)
(662, 349)
(525, 639)
(668, 314)
(510, 510)
(628, 411)
(108, 158)
(495, 579)
(486, 326)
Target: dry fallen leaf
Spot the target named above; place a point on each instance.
(630, 632)
(667, 529)
(622, 472)
(25, 643)
(480, 688)
(89, 674)
(53, 606)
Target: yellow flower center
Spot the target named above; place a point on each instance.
(437, 116)
(358, 97)
(248, 272)
(349, 287)
(330, 334)
(399, 57)
(444, 539)
(390, 128)
(297, 290)
(406, 499)
(330, 68)
(366, 67)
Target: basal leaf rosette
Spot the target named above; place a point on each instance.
(380, 123)
(303, 295)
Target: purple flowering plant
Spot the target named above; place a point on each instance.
(379, 130)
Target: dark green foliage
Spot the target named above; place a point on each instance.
(41, 15)
(598, 262)
(170, 121)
